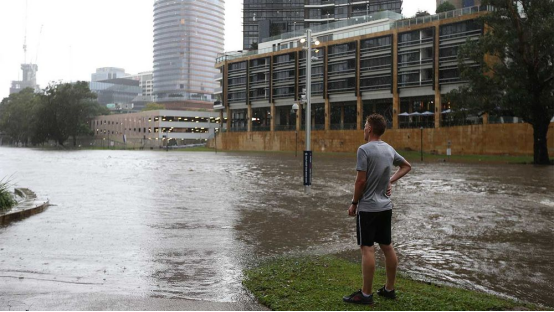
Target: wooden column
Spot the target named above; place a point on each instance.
(229, 116)
(342, 116)
(273, 116)
(438, 100)
(396, 109)
(360, 110)
(395, 95)
(249, 118)
(359, 104)
(299, 118)
(438, 105)
(327, 114)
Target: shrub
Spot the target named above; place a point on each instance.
(6, 198)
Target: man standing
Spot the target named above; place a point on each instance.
(373, 208)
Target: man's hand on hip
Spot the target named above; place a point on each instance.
(352, 210)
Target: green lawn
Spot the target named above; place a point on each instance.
(320, 282)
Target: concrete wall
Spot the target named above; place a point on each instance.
(491, 139)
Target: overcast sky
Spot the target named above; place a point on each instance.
(79, 36)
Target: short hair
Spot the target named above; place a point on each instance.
(377, 123)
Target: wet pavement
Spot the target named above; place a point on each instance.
(167, 230)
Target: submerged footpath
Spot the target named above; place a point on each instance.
(318, 283)
(27, 205)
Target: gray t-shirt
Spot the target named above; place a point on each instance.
(376, 158)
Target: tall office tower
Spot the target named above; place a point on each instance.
(188, 35)
(267, 18)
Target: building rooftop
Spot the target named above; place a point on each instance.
(355, 26)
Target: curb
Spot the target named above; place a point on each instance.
(24, 209)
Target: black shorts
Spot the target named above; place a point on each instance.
(374, 227)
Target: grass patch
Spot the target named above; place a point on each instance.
(320, 282)
(7, 200)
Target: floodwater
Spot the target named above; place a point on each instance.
(183, 225)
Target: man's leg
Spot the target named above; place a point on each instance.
(368, 268)
(391, 262)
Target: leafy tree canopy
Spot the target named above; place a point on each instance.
(17, 115)
(515, 57)
(63, 110)
(445, 7)
(153, 106)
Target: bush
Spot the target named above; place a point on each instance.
(6, 198)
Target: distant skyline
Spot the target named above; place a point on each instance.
(79, 36)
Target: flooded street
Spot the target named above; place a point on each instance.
(185, 224)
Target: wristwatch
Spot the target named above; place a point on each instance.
(354, 202)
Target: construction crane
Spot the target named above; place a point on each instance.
(32, 67)
(38, 44)
(25, 35)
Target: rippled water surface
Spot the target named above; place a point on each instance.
(185, 224)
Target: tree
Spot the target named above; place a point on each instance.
(65, 111)
(153, 106)
(16, 115)
(445, 7)
(515, 58)
(274, 30)
(422, 13)
(254, 46)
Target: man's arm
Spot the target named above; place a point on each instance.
(359, 186)
(405, 167)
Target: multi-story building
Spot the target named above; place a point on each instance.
(29, 79)
(400, 68)
(156, 128)
(145, 79)
(106, 73)
(119, 92)
(267, 18)
(188, 35)
(146, 96)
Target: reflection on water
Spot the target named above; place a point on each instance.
(184, 225)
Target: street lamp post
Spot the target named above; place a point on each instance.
(308, 151)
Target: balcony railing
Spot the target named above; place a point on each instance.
(397, 23)
(314, 127)
(344, 126)
(260, 128)
(441, 16)
(285, 127)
